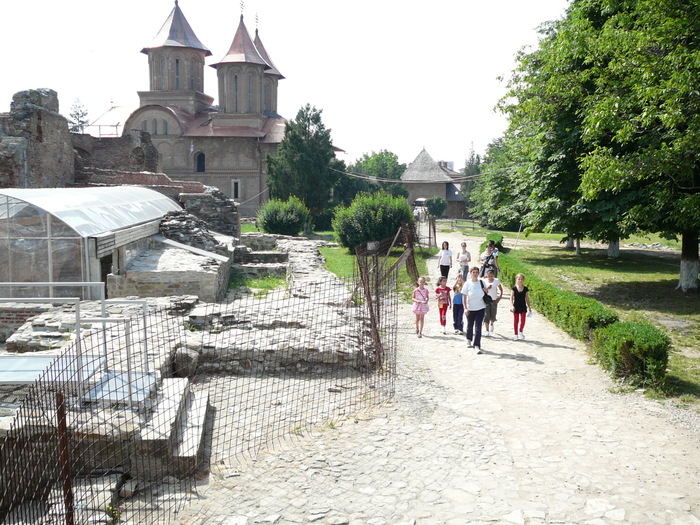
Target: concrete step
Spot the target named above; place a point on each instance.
(187, 445)
(117, 387)
(261, 269)
(267, 257)
(158, 432)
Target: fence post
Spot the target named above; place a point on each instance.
(63, 446)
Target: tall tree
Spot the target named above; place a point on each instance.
(78, 120)
(302, 164)
(642, 121)
(383, 165)
(472, 167)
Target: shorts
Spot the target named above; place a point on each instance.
(490, 312)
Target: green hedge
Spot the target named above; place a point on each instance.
(283, 217)
(577, 316)
(637, 351)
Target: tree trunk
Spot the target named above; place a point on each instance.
(690, 262)
(569, 243)
(614, 248)
(578, 246)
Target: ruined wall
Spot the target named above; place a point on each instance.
(35, 145)
(133, 152)
(14, 315)
(215, 208)
(209, 286)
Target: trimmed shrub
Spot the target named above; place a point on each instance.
(577, 316)
(634, 351)
(283, 217)
(370, 217)
(497, 238)
(436, 205)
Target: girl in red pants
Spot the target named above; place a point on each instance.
(443, 299)
(520, 303)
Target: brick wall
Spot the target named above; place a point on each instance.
(13, 316)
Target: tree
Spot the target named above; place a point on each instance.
(642, 121)
(472, 167)
(383, 165)
(436, 206)
(302, 164)
(78, 117)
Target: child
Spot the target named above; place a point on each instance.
(442, 292)
(520, 302)
(420, 305)
(458, 307)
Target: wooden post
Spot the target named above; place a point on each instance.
(63, 446)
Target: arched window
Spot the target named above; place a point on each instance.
(250, 93)
(165, 127)
(177, 74)
(266, 96)
(154, 127)
(200, 163)
(161, 75)
(235, 93)
(144, 126)
(193, 74)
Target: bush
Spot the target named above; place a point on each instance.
(370, 217)
(635, 351)
(283, 217)
(436, 205)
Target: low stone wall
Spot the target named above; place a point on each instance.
(214, 207)
(14, 315)
(208, 286)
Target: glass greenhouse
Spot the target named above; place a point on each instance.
(71, 234)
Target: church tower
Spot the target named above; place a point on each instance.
(224, 146)
(176, 66)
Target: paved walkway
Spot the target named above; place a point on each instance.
(529, 432)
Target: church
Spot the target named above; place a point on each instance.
(223, 146)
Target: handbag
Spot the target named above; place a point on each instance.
(487, 298)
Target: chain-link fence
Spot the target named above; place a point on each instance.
(122, 421)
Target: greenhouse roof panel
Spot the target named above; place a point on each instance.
(95, 210)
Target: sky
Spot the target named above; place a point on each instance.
(396, 75)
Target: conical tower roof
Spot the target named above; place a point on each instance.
(263, 53)
(242, 49)
(176, 32)
(425, 169)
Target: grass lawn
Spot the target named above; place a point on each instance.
(638, 286)
(341, 263)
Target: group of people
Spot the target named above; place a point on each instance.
(475, 293)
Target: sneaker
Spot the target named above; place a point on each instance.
(420, 335)
(443, 331)
(486, 334)
(492, 330)
(515, 338)
(522, 335)
(469, 344)
(457, 332)
(478, 350)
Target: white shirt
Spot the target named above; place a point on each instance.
(445, 257)
(474, 294)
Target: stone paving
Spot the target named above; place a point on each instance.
(529, 432)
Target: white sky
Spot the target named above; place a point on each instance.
(398, 75)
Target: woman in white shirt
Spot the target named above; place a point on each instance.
(463, 259)
(445, 259)
(474, 305)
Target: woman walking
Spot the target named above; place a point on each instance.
(520, 302)
(442, 292)
(473, 293)
(463, 259)
(445, 259)
(420, 305)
